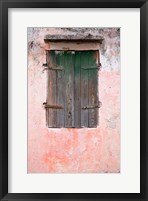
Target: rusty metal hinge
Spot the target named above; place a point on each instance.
(92, 106)
(98, 67)
(52, 106)
(51, 68)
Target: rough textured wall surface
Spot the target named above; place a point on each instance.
(69, 150)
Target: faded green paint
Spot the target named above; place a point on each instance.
(76, 88)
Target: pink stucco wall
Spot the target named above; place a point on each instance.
(93, 150)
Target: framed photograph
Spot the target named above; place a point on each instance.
(73, 100)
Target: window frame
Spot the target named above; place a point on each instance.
(86, 108)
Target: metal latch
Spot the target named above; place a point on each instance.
(52, 106)
(99, 66)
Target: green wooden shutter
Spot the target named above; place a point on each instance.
(72, 95)
(55, 92)
(89, 89)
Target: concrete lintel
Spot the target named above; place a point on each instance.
(75, 37)
(77, 46)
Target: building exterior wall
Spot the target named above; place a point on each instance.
(70, 150)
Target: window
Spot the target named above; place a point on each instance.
(72, 92)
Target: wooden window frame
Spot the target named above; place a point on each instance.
(88, 108)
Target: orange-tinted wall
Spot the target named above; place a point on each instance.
(69, 150)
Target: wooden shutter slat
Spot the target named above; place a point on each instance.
(60, 89)
(69, 89)
(92, 91)
(84, 89)
(77, 90)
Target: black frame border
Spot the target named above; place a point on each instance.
(4, 6)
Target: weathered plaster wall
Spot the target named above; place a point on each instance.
(95, 150)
